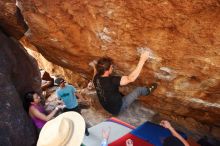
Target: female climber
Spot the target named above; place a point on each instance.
(36, 110)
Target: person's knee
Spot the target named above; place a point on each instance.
(142, 90)
(139, 88)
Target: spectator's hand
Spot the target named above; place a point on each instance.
(60, 102)
(144, 55)
(61, 106)
(166, 124)
(106, 133)
(129, 142)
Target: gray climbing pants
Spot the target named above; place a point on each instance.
(131, 97)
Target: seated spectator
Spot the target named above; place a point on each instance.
(67, 129)
(37, 111)
(176, 139)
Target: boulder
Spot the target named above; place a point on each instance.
(11, 20)
(18, 74)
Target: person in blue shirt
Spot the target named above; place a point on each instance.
(67, 93)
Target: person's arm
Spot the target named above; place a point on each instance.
(59, 99)
(177, 135)
(79, 95)
(94, 72)
(167, 125)
(135, 73)
(91, 84)
(93, 64)
(36, 113)
(75, 93)
(105, 136)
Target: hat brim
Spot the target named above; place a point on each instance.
(62, 81)
(79, 127)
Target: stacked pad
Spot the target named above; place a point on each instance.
(153, 133)
(118, 129)
(136, 141)
(148, 134)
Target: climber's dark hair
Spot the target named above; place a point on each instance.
(103, 65)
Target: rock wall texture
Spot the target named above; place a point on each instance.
(18, 74)
(182, 36)
(78, 80)
(11, 20)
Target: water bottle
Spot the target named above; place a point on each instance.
(104, 142)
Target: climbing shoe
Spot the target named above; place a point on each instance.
(152, 87)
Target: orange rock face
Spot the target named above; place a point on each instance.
(11, 20)
(182, 36)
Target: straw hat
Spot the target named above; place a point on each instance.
(65, 130)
